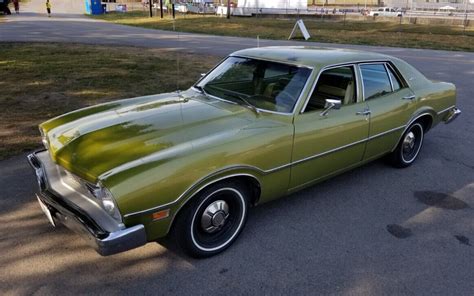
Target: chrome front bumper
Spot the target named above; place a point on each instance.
(452, 114)
(80, 213)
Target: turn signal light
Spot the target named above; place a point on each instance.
(161, 214)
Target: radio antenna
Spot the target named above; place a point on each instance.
(177, 56)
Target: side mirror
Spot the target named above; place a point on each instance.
(203, 74)
(331, 104)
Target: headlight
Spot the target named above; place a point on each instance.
(44, 139)
(107, 202)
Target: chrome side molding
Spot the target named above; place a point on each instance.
(409, 97)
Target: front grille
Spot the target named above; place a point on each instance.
(72, 179)
(77, 183)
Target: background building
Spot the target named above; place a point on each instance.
(273, 4)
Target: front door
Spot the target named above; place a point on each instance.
(328, 143)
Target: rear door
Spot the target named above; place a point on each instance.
(391, 104)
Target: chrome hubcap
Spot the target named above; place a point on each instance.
(409, 142)
(215, 216)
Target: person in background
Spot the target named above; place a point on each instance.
(16, 4)
(169, 6)
(48, 8)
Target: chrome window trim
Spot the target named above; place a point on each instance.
(207, 73)
(289, 63)
(293, 111)
(353, 65)
(402, 81)
(361, 83)
(389, 77)
(356, 63)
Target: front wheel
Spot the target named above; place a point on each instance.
(212, 221)
(409, 146)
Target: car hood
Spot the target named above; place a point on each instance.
(92, 141)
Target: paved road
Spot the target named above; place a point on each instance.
(329, 239)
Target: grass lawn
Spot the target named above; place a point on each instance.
(40, 81)
(353, 32)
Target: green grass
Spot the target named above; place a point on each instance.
(351, 32)
(40, 81)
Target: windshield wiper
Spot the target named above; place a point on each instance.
(242, 99)
(201, 89)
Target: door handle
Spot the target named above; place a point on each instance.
(409, 97)
(365, 112)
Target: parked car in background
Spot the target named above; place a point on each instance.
(263, 123)
(4, 7)
(385, 11)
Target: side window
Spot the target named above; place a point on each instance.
(375, 80)
(336, 84)
(395, 81)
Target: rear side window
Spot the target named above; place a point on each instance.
(395, 81)
(376, 80)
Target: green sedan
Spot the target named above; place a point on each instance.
(265, 122)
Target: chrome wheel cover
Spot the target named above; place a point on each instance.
(215, 216)
(409, 142)
(213, 225)
(412, 143)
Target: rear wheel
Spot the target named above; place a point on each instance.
(409, 147)
(212, 221)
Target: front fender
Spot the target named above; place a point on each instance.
(262, 154)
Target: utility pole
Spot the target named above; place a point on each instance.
(228, 9)
(172, 8)
(150, 2)
(465, 18)
(161, 8)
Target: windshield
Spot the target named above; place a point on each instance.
(265, 85)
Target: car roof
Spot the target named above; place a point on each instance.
(310, 56)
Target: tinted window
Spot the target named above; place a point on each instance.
(335, 84)
(376, 81)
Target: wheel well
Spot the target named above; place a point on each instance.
(253, 185)
(426, 121)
